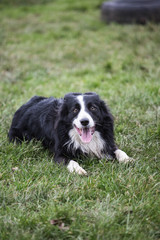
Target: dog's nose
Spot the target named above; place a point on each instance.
(84, 122)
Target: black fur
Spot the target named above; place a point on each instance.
(50, 119)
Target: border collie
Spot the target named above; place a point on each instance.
(71, 127)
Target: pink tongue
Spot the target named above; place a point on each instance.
(86, 135)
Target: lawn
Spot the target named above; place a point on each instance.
(54, 47)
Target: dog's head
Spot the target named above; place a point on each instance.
(85, 112)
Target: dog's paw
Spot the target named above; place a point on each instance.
(122, 157)
(74, 167)
(81, 171)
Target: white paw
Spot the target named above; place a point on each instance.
(122, 157)
(74, 167)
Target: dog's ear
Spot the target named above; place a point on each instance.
(108, 128)
(106, 114)
(63, 111)
(61, 114)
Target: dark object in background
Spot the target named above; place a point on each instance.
(131, 11)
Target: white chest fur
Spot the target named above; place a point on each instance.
(93, 148)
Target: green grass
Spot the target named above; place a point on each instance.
(62, 46)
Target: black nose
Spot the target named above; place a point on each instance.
(84, 122)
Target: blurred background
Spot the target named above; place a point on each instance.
(53, 47)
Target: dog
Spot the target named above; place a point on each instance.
(78, 125)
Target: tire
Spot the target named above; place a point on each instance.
(131, 11)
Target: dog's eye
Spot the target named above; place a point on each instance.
(92, 108)
(75, 110)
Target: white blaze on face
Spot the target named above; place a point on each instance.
(85, 132)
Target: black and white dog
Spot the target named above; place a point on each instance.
(74, 126)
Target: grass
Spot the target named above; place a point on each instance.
(62, 46)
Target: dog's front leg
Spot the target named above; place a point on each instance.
(75, 167)
(72, 166)
(121, 156)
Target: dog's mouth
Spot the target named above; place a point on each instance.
(85, 133)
